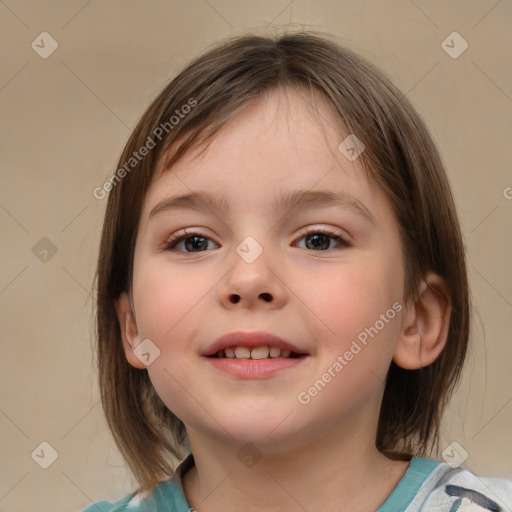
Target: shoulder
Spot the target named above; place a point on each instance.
(455, 488)
(122, 505)
(167, 496)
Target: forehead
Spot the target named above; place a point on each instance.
(287, 138)
(284, 109)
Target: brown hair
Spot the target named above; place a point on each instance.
(400, 156)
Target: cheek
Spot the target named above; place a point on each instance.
(170, 308)
(357, 319)
(169, 302)
(346, 300)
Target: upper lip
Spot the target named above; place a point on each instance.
(250, 339)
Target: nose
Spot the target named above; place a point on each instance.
(253, 284)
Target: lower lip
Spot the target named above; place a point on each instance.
(255, 368)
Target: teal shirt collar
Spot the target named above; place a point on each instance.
(170, 494)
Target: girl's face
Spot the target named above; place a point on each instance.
(336, 299)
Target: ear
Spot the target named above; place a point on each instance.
(129, 333)
(425, 325)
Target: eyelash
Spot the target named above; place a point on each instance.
(184, 234)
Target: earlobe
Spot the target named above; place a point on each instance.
(425, 325)
(129, 332)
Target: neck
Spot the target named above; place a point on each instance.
(354, 476)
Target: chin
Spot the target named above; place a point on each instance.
(270, 432)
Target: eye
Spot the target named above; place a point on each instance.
(194, 241)
(320, 239)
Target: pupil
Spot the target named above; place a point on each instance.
(323, 244)
(195, 244)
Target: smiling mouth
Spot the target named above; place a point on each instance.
(255, 353)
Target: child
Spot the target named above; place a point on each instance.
(283, 302)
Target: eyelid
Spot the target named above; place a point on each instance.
(315, 228)
(185, 233)
(342, 238)
(303, 231)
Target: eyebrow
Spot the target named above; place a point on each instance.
(205, 200)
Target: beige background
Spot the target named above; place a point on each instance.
(63, 122)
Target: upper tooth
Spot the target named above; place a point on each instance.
(262, 352)
(275, 352)
(259, 353)
(242, 353)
